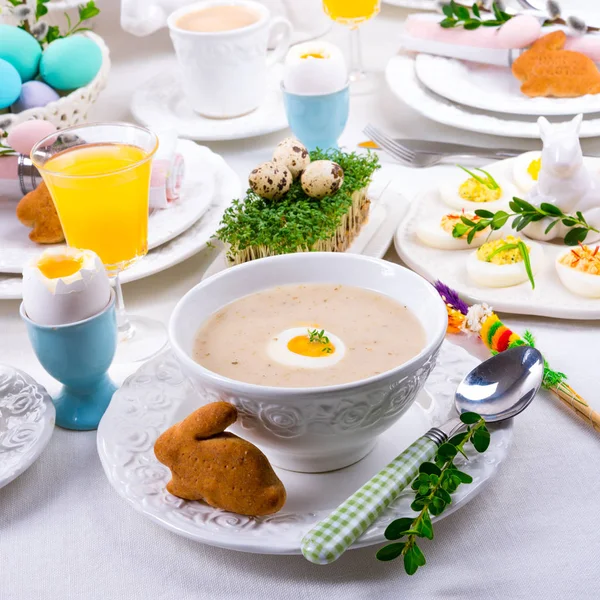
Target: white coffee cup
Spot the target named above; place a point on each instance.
(224, 73)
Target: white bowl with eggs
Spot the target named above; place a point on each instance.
(313, 429)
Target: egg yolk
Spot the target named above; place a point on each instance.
(53, 267)
(584, 259)
(475, 191)
(448, 223)
(534, 168)
(505, 257)
(302, 345)
(312, 55)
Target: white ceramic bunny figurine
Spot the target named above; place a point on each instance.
(564, 180)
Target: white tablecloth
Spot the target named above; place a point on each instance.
(533, 533)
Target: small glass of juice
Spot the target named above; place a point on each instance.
(99, 178)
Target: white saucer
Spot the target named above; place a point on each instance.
(160, 102)
(159, 395)
(26, 422)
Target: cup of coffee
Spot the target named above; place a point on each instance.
(221, 47)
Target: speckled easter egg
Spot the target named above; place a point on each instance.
(10, 81)
(21, 50)
(70, 63)
(24, 136)
(34, 94)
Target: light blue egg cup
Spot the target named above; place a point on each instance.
(78, 355)
(317, 120)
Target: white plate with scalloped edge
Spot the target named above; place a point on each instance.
(159, 395)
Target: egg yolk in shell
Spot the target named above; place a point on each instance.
(534, 168)
(302, 345)
(53, 267)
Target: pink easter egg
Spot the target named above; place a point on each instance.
(24, 136)
(519, 32)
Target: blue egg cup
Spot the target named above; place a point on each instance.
(78, 355)
(318, 121)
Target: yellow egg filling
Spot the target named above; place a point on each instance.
(583, 259)
(488, 252)
(53, 267)
(449, 221)
(534, 168)
(475, 191)
(302, 345)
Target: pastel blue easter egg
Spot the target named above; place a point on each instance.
(71, 62)
(10, 84)
(34, 94)
(21, 50)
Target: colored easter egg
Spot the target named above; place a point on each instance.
(21, 50)
(24, 136)
(10, 87)
(34, 94)
(71, 62)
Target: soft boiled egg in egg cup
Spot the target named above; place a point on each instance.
(306, 348)
(477, 189)
(579, 270)
(438, 234)
(500, 264)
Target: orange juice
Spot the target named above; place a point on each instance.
(101, 195)
(351, 12)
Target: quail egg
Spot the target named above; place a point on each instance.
(271, 180)
(292, 154)
(322, 178)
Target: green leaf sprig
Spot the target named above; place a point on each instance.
(319, 337)
(488, 181)
(433, 486)
(458, 15)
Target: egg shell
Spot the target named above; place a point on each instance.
(10, 84)
(21, 50)
(54, 302)
(24, 136)
(322, 178)
(34, 94)
(293, 154)
(271, 180)
(71, 62)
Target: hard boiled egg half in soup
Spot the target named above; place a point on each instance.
(64, 285)
(306, 348)
(474, 189)
(526, 170)
(439, 234)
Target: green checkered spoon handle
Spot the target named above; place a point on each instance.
(332, 536)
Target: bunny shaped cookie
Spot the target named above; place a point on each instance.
(548, 70)
(36, 210)
(207, 463)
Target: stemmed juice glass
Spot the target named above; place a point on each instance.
(99, 178)
(352, 13)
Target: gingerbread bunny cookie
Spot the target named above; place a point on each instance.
(36, 209)
(207, 463)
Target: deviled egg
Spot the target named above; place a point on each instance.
(439, 234)
(475, 189)
(579, 270)
(501, 263)
(526, 170)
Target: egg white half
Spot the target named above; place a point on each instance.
(432, 234)
(578, 282)
(492, 275)
(450, 196)
(521, 177)
(278, 351)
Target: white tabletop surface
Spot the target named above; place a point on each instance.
(534, 533)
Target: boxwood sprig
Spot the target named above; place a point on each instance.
(458, 15)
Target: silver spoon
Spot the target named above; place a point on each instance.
(497, 389)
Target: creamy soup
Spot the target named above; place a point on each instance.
(308, 335)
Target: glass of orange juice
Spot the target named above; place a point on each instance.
(352, 13)
(99, 178)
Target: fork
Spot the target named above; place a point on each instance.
(416, 159)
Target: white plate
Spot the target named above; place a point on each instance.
(404, 84)
(192, 241)
(159, 395)
(26, 422)
(16, 249)
(414, 4)
(160, 102)
(493, 88)
(549, 299)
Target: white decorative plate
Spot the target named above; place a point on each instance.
(16, 249)
(227, 187)
(26, 422)
(159, 395)
(414, 4)
(404, 84)
(493, 88)
(161, 103)
(549, 299)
